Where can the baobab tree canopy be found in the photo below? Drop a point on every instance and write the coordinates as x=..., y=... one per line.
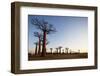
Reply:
x=43, y=25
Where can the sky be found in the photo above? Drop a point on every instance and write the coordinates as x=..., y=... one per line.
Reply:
x=71, y=32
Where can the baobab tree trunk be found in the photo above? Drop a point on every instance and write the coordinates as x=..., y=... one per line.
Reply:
x=36, y=49
x=51, y=50
x=57, y=50
x=39, y=50
x=60, y=51
x=66, y=50
x=44, y=44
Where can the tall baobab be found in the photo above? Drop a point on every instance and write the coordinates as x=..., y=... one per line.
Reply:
x=47, y=42
x=36, y=44
x=51, y=50
x=46, y=28
x=60, y=49
x=39, y=36
x=67, y=50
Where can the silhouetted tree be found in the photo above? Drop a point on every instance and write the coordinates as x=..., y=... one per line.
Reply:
x=67, y=50
x=63, y=51
x=60, y=49
x=70, y=51
x=51, y=50
x=39, y=36
x=36, y=44
x=46, y=28
x=47, y=42
x=57, y=50
x=79, y=51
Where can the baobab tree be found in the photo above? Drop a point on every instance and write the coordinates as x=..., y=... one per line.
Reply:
x=63, y=51
x=78, y=50
x=39, y=36
x=36, y=45
x=47, y=42
x=67, y=50
x=70, y=51
x=51, y=50
x=57, y=50
x=60, y=49
x=46, y=28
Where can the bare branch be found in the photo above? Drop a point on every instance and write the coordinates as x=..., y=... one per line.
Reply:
x=37, y=34
x=36, y=43
x=43, y=25
x=37, y=23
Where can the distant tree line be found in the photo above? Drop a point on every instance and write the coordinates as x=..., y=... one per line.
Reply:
x=61, y=50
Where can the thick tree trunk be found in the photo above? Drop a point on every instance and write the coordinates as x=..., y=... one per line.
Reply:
x=51, y=51
x=36, y=50
x=60, y=51
x=44, y=44
x=57, y=51
x=39, y=50
x=66, y=51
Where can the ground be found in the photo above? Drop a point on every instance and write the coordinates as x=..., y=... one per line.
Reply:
x=50, y=56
